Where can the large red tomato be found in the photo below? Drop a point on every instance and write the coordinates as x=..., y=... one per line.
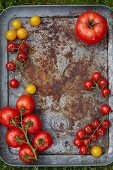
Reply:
x=9, y=114
x=91, y=27
x=25, y=104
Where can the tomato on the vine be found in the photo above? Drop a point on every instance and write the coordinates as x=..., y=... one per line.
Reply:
x=80, y=134
x=105, y=109
x=23, y=47
x=102, y=83
x=100, y=131
x=105, y=92
x=88, y=84
x=86, y=141
x=11, y=47
x=22, y=57
x=94, y=137
x=88, y=129
x=77, y=142
x=10, y=66
x=14, y=83
x=83, y=149
x=15, y=137
x=105, y=124
x=96, y=76
x=95, y=123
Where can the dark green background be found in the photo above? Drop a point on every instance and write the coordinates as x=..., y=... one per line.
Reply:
x=6, y=3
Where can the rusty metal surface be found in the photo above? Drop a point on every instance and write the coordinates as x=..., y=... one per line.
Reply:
x=58, y=65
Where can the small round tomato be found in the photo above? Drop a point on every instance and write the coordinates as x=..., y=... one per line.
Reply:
x=22, y=33
x=95, y=123
x=80, y=134
x=10, y=66
x=11, y=47
x=83, y=149
x=25, y=104
x=88, y=84
x=23, y=47
x=105, y=124
x=22, y=57
x=32, y=123
x=10, y=35
x=31, y=89
x=102, y=83
x=77, y=142
x=86, y=141
x=100, y=131
x=7, y=114
x=26, y=154
x=15, y=137
x=105, y=92
x=105, y=109
x=14, y=83
x=88, y=129
x=94, y=137
x=96, y=76
x=16, y=23
x=35, y=21
x=42, y=141
x=96, y=151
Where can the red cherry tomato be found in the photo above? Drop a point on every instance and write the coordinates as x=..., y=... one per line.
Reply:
x=105, y=109
x=88, y=129
x=80, y=134
x=103, y=83
x=91, y=27
x=25, y=104
x=15, y=137
x=105, y=124
x=100, y=131
x=10, y=66
x=32, y=122
x=88, y=84
x=14, y=83
x=22, y=57
x=42, y=141
x=86, y=141
x=77, y=142
x=94, y=137
x=105, y=92
x=96, y=76
x=23, y=47
x=95, y=123
x=83, y=149
x=7, y=114
x=11, y=47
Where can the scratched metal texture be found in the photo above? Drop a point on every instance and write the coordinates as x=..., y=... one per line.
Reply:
x=58, y=65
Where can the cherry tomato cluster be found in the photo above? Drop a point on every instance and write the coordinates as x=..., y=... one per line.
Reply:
x=21, y=122
x=97, y=81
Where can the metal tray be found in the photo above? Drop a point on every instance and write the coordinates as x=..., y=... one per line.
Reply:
x=63, y=105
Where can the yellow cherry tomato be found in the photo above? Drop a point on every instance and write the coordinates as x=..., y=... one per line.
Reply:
x=31, y=89
x=22, y=33
x=35, y=21
x=16, y=23
x=96, y=151
x=10, y=35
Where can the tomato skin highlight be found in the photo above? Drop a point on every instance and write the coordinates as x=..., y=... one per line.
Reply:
x=14, y=83
x=11, y=66
x=91, y=27
x=105, y=109
x=77, y=142
x=88, y=84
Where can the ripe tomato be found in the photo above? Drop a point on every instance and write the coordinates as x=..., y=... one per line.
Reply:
x=42, y=141
x=22, y=57
x=7, y=114
x=23, y=47
x=26, y=154
x=88, y=129
x=100, y=131
x=83, y=149
x=33, y=122
x=95, y=123
x=10, y=35
x=16, y=23
x=31, y=89
x=22, y=33
x=10, y=66
x=91, y=27
x=25, y=104
x=103, y=83
x=14, y=83
x=105, y=92
x=11, y=47
x=80, y=134
x=35, y=21
x=105, y=124
x=96, y=76
x=77, y=142
x=15, y=137
x=86, y=141
x=88, y=84
x=94, y=137
x=96, y=151
x=105, y=109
